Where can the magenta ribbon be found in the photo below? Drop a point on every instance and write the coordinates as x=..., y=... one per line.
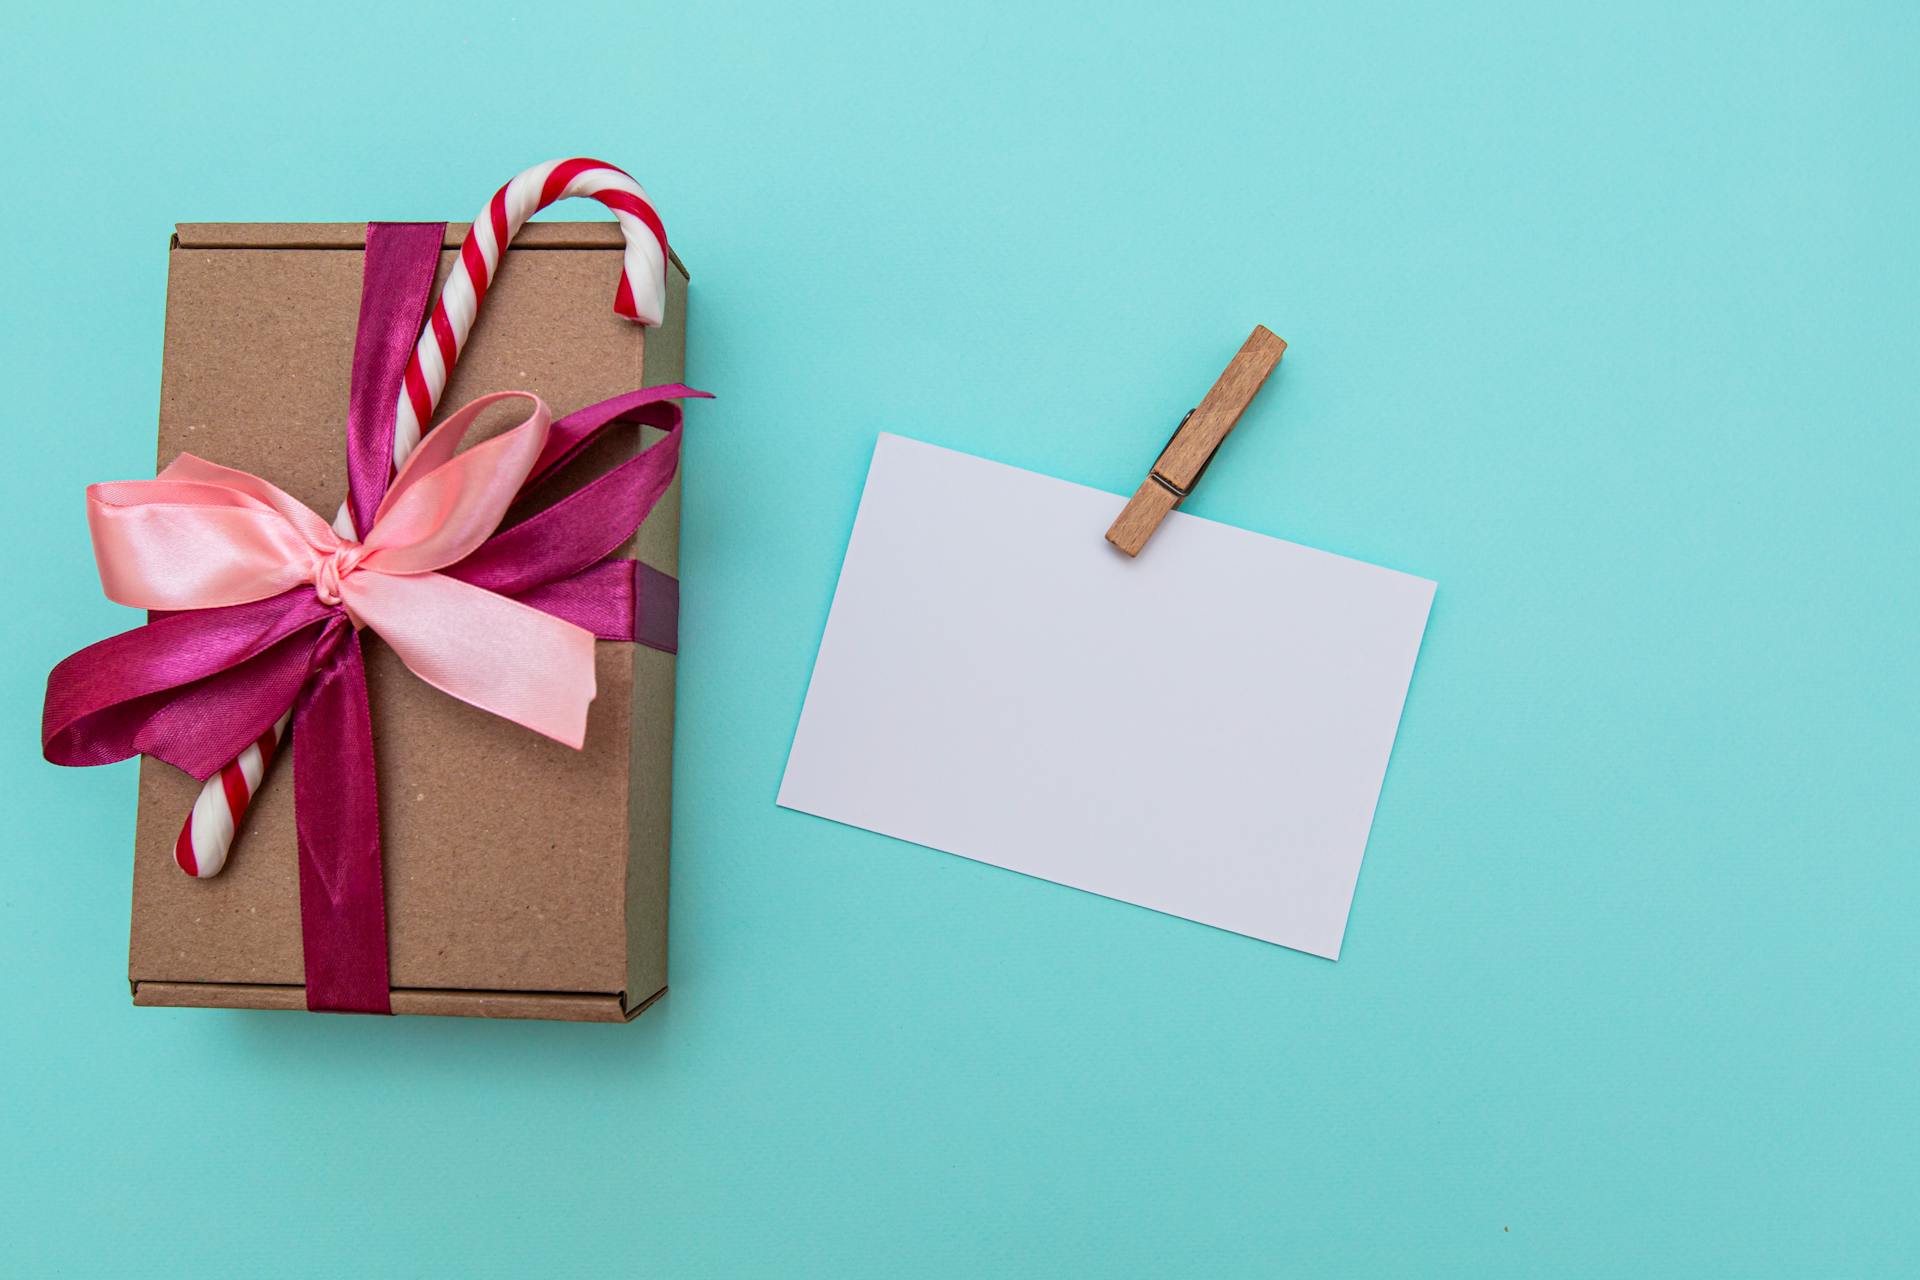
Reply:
x=194, y=688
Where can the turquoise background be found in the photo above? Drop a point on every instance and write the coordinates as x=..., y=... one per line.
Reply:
x=1605, y=319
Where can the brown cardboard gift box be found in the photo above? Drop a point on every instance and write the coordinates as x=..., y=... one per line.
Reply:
x=523, y=879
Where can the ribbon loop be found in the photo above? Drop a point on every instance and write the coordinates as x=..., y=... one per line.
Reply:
x=444, y=503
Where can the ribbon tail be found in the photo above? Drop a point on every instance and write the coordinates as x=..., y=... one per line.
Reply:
x=494, y=653
x=343, y=913
x=192, y=689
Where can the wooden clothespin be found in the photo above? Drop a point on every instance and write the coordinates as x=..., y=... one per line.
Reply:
x=1188, y=453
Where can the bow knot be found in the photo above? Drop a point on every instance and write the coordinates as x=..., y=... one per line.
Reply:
x=330, y=567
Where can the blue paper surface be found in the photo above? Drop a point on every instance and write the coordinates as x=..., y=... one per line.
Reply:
x=1604, y=318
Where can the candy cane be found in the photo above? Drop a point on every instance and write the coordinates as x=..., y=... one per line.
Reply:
x=642, y=294
x=207, y=834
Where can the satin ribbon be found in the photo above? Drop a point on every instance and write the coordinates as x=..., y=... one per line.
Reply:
x=203, y=536
x=265, y=606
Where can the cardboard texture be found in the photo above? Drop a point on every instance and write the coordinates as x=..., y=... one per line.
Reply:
x=523, y=879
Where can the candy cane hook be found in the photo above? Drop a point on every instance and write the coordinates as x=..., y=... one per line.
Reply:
x=642, y=294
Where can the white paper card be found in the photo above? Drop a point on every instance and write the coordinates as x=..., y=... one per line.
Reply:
x=1202, y=730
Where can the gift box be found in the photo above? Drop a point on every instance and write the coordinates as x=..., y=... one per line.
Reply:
x=522, y=878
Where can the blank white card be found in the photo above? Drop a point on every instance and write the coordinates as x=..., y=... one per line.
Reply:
x=1202, y=730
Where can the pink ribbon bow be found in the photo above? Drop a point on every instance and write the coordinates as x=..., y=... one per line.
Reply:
x=202, y=536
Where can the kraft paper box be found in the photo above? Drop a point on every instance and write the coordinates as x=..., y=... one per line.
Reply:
x=523, y=879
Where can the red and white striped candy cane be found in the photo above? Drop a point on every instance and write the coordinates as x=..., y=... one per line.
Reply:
x=207, y=834
x=642, y=294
